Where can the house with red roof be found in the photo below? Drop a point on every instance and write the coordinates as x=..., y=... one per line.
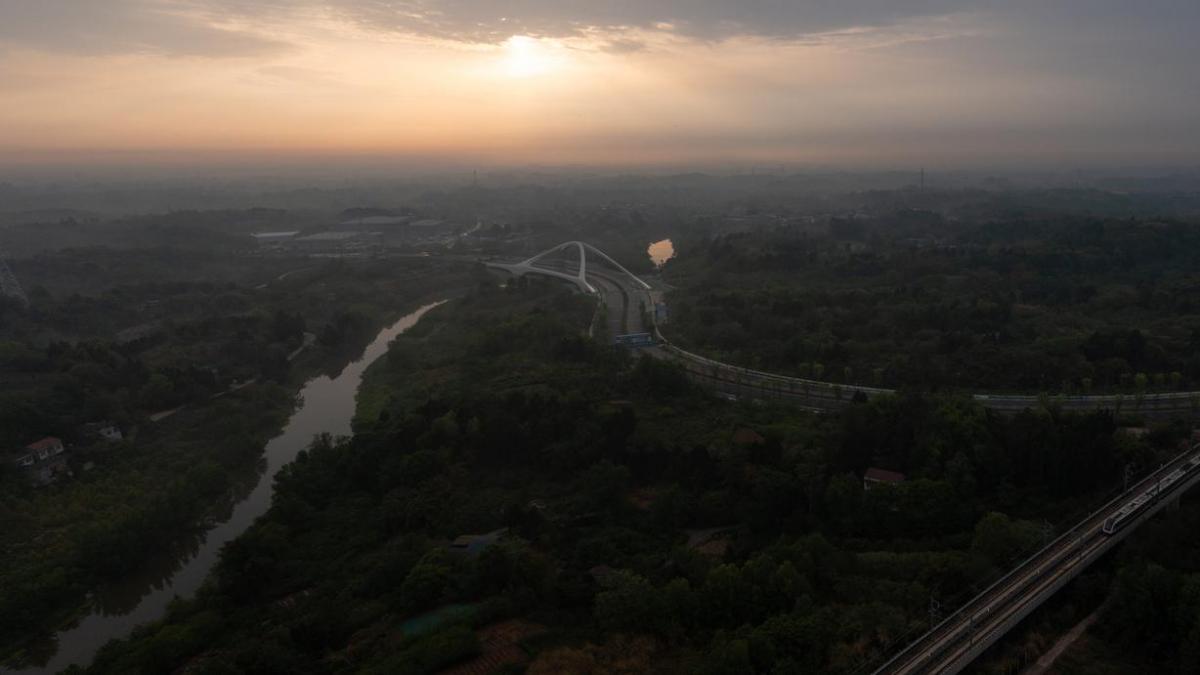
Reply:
x=876, y=476
x=43, y=460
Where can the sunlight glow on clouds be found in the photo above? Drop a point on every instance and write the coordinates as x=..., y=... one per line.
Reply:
x=529, y=57
x=625, y=82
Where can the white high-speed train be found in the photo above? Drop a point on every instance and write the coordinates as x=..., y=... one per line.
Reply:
x=1144, y=500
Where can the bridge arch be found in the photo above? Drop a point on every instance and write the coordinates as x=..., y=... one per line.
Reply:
x=579, y=279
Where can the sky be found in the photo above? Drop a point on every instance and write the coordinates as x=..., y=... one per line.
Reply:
x=853, y=83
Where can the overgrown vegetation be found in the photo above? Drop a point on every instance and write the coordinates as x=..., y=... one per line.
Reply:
x=1151, y=623
x=642, y=522
x=1033, y=303
x=229, y=357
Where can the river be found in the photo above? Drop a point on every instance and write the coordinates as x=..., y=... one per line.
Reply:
x=327, y=406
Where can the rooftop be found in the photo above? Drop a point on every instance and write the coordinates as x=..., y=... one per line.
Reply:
x=883, y=476
x=473, y=544
x=44, y=444
x=747, y=436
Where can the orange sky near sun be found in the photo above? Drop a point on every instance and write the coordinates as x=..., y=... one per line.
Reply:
x=870, y=95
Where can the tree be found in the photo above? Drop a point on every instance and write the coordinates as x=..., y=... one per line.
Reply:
x=158, y=392
x=726, y=598
x=425, y=584
x=961, y=474
x=728, y=657
x=286, y=327
x=605, y=485
x=842, y=498
x=999, y=539
x=629, y=604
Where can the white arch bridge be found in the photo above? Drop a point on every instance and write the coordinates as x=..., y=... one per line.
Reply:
x=952, y=645
x=579, y=277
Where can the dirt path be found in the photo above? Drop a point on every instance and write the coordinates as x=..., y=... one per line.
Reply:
x=1047, y=660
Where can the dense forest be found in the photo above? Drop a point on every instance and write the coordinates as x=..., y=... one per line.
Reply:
x=1023, y=302
x=197, y=395
x=516, y=493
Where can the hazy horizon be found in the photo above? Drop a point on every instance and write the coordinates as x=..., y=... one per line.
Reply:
x=569, y=83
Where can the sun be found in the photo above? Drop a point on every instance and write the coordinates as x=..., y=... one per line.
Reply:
x=529, y=57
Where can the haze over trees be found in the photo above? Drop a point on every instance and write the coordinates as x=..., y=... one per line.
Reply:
x=602, y=470
x=1036, y=303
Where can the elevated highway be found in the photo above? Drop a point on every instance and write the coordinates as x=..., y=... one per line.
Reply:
x=623, y=304
x=817, y=395
x=951, y=645
x=830, y=396
x=579, y=276
x=622, y=293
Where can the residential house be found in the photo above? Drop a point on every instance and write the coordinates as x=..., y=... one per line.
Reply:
x=746, y=436
x=875, y=477
x=43, y=460
x=474, y=544
x=102, y=431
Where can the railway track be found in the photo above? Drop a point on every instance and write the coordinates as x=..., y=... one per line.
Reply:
x=966, y=633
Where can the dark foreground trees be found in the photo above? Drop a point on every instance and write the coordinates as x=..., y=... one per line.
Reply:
x=632, y=516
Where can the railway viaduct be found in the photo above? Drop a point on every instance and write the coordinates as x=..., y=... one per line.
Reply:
x=951, y=645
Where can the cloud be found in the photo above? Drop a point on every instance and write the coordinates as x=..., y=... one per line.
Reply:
x=623, y=46
x=94, y=27
x=491, y=21
x=882, y=79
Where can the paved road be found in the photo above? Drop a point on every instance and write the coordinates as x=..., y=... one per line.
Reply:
x=622, y=299
x=624, y=304
x=953, y=644
x=614, y=304
x=828, y=396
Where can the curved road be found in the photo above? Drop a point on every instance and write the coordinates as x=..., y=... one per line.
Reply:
x=954, y=643
x=822, y=396
x=829, y=396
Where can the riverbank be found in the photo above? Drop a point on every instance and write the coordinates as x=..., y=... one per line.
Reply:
x=146, y=504
x=148, y=495
x=325, y=406
x=518, y=473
